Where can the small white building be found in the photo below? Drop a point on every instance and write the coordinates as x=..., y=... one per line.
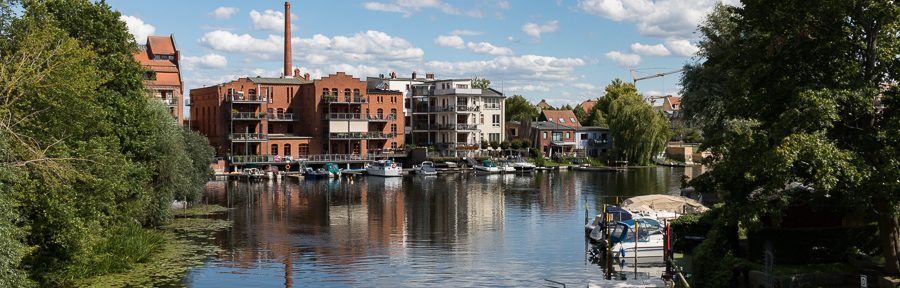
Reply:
x=593, y=141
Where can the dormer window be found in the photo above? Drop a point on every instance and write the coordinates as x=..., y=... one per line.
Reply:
x=572, y=119
x=562, y=120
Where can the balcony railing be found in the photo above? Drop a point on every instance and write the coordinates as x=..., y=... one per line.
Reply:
x=463, y=108
x=246, y=98
x=360, y=117
x=170, y=102
x=242, y=159
x=491, y=106
x=360, y=135
x=281, y=117
x=246, y=116
x=457, y=145
x=371, y=156
x=343, y=99
x=597, y=142
x=247, y=137
x=442, y=127
x=466, y=127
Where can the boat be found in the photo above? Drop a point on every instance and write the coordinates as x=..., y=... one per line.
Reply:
x=487, y=166
x=384, y=168
x=520, y=165
x=507, y=168
x=596, y=169
x=333, y=170
x=618, y=214
x=310, y=173
x=426, y=168
x=662, y=207
x=640, y=239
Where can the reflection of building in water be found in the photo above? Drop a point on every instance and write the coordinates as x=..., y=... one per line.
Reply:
x=556, y=194
x=464, y=205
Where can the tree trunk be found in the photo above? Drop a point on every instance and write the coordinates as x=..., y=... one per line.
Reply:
x=889, y=231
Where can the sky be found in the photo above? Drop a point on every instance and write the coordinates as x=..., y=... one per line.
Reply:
x=564, y=51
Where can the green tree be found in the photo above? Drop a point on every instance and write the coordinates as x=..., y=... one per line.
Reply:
x=481, y=83
x=784, y=94
x=614, y=90
x=581, y=115
x=596, y=118
x=519, y=109
x=638, y=131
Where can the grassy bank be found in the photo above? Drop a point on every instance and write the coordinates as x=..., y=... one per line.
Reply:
x=143, y=257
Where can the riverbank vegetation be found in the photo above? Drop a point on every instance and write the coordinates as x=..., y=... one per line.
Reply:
x=800, y=108
x=89, y=162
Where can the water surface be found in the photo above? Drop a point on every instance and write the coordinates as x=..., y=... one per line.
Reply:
x=453, y=229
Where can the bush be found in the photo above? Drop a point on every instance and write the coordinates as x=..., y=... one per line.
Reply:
x=515, y=144
x=484, y=144
x=504, y=145
x=813, y=245
x=495, y=144
x=526, y=143
x=713, y=261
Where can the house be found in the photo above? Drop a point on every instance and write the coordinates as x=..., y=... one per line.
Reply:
x=543, y=105
x=161, y=60
x=561, y=117
x=588, y=105
x=592, y=141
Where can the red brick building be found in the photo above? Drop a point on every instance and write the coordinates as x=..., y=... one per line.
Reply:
x=163, y=77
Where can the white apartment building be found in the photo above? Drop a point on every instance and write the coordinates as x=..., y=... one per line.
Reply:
x=404, y=85
x=455, y=117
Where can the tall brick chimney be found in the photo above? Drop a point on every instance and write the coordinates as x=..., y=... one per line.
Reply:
x=287, y=40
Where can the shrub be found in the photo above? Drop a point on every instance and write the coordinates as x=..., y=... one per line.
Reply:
x=504, y=145
x=495, y=144
x=713, y=262
x=515, y=144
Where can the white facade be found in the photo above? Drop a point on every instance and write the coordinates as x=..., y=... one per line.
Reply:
x=453, y=116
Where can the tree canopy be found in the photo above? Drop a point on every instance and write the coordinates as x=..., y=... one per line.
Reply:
x=481, y=83
x=639, y=132
x=519, y=109
x=786, y=94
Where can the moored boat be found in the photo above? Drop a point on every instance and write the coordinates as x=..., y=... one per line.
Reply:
x=520, y=165
x=487, y=166
x=384, y=168
x=640, y=239
x=426, y=168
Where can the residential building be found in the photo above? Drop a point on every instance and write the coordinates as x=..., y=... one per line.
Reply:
x=593, y=141
x=561, y=117
x=552, y=139
x=404, y=86
x=455, y=117
x=543, y=105
x=162, y=77
x=588, y=105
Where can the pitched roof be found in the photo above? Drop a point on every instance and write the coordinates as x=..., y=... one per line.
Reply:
x=543, y=104
x=161, y=44
x=546, y=125
x=562, y=117
x=587, y=105
x=165, y=79
x=675, y=101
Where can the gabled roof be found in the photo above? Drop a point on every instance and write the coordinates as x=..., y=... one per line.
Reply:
x=161, y=45
x=562, y=117
x=546, y=125
x=674, y=102
x=543, y=104
x=587, y=105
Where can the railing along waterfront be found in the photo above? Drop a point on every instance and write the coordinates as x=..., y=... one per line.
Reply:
x=247, y=137
x=349, y=157
x=360, y=135
x=243, y=159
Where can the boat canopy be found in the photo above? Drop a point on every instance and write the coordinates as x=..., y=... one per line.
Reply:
x=488, y=163
x=671, y=203
x=624, y=231
x=618, y=213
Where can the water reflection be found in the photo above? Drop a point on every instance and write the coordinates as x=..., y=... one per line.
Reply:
x=457, y=229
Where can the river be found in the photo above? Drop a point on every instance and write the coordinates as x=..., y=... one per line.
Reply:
x=450, y=230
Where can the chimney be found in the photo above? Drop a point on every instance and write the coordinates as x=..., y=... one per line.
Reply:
x=305, y=76
x=287, y=39
x=414, y=75
x=381, y=76
x=393, y=75
x=429, y=76
x=297, y=72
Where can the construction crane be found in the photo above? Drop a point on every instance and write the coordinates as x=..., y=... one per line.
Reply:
x=634, y=77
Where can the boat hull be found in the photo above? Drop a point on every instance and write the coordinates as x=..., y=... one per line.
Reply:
x=386, y=172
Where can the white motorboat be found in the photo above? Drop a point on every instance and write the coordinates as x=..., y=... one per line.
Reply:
x=384, y=168
x=507, y=168
x=426, y=168
x=521, y=165
x=487, y=166
x=640, y=239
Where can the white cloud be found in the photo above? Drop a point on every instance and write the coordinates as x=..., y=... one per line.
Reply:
x=138, y=28
x=503, y=4
x=465, y=33
x=624, y=59
x=268, y=20
x=226, y=41
x=540, y=87
x=450, y=41
x=223, y=12
x=650, y=50
x=659, y=18
x=487, y=48
x=535, y=30
x=209, y=61
x=682, y=47
x=522, y=67
x=408, y=7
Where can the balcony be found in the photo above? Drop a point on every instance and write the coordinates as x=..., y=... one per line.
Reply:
x=360, y=117
x=170, y=102
x=464, y=108
x=250, y=159
x=442, y=127
x=383, y=117
x=453, y=91
x=247, y=137
x=360, y=135
x=239, y=98
x=561, y=143
x=491, y=106
x=466, y=127
x=344, y=99
x=252, y=116
x=467, y=146
x=597, y=142
x=281, y=117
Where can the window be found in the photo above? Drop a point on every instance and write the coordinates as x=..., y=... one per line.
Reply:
x=494, y=136
x=545, y=135
x=380, y=112
x=394, y=144
x=557, y=137
x=567, y=135
x=356, y=92
x=407, y=89
x=482, y=118
x=287, y=150
x=462, y=86
x=394, y=113
x=514, y=132
x=562, y=121
x=303, y=149
x=347, y=92
x=572, y=119
x=496, y=121
x=334, y=92
x=584, y=137
x=274, y=149
x=324, y=91
x=393, y=128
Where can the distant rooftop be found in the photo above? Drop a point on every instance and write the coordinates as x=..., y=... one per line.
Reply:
x=282, y=81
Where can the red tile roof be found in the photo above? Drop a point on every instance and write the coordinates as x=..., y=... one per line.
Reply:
x=566, y=115
x=161, y=44
x=587, y=105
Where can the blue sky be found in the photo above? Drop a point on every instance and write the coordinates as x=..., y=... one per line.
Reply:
x=564, y=51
